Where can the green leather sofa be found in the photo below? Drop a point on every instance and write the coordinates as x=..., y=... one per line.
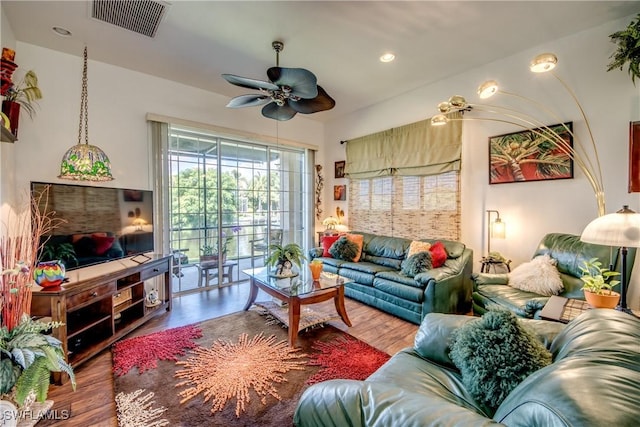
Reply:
x=376, y=279
x=491, y=290
x=594, y=380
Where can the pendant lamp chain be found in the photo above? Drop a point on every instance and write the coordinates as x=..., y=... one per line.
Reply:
x=85, y=162
x=84, y=105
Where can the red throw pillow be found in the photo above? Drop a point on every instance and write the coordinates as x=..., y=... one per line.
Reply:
x=103, y=243
x=327, y=241
x=438, y=254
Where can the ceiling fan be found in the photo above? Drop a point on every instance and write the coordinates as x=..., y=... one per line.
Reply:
x=289, y=91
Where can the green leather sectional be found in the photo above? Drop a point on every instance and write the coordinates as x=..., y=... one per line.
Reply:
x=491, y=290
x=594, y=380
x=377, y=280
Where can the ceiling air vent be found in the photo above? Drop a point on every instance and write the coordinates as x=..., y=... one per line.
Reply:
x=142, y=16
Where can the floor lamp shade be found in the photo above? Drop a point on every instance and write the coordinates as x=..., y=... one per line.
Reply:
x=620, y=229
x=495, y=228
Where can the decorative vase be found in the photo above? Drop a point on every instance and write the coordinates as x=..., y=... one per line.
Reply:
x=49, y=274
x=602, y=301
x=316, y=270
x=12, y=110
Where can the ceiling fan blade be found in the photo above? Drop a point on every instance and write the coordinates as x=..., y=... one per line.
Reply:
x=321, y=102
x=248, y=101
x=303, y=83
x=249, y=83
x=281, y=113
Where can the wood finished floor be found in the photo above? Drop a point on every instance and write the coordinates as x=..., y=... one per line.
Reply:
x=92, y=404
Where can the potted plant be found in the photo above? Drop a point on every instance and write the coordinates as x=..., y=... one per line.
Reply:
x=209, y=252
x=25, y=94
x=283, y=258
x=628, y=42
x=27, y=358
x=598, y=284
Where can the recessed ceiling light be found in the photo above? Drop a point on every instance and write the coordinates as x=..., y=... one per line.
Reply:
x=61, y=31
x=387, y=57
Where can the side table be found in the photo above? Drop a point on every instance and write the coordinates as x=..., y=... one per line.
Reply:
x=561, y=309
x=204, y=269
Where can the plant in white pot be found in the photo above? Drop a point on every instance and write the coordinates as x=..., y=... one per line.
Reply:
x=598, y=284
x=284, y=257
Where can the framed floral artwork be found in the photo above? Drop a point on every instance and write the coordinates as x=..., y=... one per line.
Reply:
x=531, y=155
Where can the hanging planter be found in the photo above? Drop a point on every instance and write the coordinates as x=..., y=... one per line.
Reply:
x=628, y=51
x=12, y=110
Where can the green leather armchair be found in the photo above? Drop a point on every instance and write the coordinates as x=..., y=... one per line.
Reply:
x=594, y=380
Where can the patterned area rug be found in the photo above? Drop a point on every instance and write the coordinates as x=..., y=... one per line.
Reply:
x=240, y=372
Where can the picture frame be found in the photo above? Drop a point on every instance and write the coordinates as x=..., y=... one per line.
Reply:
x=339, y=169
x=634, y=157
x=339, y=192
x=527, y=155
x=132, y=195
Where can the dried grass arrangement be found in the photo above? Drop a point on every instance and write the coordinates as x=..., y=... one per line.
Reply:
x=20, y=242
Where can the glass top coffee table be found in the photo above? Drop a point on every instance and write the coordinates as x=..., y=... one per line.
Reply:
x=297, y=291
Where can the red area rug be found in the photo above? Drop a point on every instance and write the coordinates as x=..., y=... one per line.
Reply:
x=345, y=357
x=145, y=351
x=240, y=373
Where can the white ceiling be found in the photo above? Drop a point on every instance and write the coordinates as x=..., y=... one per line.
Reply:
x=339, y=41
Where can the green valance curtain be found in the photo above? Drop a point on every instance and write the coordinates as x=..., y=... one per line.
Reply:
x=417, y=149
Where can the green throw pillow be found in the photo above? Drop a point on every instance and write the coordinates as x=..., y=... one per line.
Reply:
x=416, y=264
x=494, y=354
x=344, y=249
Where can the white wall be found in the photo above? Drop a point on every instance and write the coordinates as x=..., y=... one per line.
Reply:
x=532, y=209
x=7, y=183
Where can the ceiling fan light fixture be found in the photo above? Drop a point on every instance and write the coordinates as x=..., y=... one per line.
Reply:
x=289, y=91
x=543, y=63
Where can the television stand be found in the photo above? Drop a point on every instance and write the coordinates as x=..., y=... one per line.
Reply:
x=102, y=303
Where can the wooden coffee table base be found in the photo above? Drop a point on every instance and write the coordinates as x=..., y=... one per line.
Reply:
x=294, y=303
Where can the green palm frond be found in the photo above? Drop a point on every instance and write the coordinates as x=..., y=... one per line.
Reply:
x=628, y=49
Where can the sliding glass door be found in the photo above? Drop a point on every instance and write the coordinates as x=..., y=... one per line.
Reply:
x=226, y=198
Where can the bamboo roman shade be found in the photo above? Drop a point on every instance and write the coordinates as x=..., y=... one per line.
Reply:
x=417, y=149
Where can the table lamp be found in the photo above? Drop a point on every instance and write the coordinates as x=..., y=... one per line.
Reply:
x=621, y=229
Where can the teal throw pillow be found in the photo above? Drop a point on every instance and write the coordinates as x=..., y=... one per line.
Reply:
x=416, y=264
x=494, y=354
x=344, y=249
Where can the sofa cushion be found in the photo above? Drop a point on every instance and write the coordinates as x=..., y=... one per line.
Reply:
x=391, y=263
x=358, y=239
x=522, y=303
x=539, y=276
x=102, y=243
x=332, y=261
x=416, y=264
x=496, y=353
x=344, y=249
x=409, y=293
x=387, y=247
x=327, y=241
x=418, y=246
x=365, y=267
x=438, y=254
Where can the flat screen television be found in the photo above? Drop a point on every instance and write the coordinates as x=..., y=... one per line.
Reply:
x=99, y=224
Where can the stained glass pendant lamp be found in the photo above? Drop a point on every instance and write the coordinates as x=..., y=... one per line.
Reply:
x=85, y=162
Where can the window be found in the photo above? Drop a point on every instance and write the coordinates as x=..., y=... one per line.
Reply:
x=224, y=193
x=407, y=206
